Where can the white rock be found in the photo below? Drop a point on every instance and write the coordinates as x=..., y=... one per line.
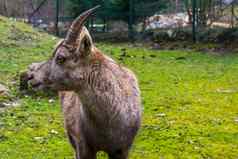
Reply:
x=236, y=120
x=3, y=90
x=51, y=100
x=39, y=139
x=161, y=115
x=54, y=132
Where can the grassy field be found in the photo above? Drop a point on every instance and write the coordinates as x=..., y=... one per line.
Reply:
x=190, y=102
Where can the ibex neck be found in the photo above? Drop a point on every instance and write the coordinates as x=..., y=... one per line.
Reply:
x=101, y=91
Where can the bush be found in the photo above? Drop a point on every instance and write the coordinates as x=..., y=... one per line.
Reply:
x=182, y=35
x=161, y=36
x=209, y=35
x=173, y=35
x=228, y=36
x=217, y=35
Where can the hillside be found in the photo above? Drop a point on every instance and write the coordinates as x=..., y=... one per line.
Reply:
x=20, y=46
x=189, y=100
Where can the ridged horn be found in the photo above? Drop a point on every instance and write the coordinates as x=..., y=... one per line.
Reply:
x=77, y=26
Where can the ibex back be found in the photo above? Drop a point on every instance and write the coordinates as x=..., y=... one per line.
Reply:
x=100, y=99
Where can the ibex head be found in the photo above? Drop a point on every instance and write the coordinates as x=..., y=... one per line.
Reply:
x=71, y=55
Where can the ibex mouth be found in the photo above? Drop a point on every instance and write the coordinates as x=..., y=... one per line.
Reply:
x=36, y=85
x=27, y=81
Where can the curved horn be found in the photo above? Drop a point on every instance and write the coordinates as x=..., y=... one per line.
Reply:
x=77, y=25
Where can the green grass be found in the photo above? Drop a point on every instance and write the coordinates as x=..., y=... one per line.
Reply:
x=190, y=102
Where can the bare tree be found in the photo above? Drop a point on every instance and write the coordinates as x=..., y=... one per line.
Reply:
x=3, y=7
x=13, y=8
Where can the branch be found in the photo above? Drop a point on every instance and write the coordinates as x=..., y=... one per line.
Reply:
x=37, y=9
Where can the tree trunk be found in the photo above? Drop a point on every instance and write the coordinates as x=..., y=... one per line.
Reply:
x=176, y=6
x=5, y=10
x=232, y=14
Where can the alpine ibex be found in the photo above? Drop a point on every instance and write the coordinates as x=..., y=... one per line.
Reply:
x=100, y=99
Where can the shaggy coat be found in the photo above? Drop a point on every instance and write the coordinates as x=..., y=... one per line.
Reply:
x=100, y=99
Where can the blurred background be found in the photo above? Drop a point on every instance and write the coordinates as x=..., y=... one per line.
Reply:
x=120, y=20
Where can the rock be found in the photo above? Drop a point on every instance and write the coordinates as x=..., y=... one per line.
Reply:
x=160, y=115
x=156, y=46
x=4, y=91
x=51, y=100
x=39, y=139
x=54, y=132
x=6, y=105
x=236, y=120
x=167, y=21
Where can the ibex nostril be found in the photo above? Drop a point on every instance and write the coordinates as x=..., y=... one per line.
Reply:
x=30, y=77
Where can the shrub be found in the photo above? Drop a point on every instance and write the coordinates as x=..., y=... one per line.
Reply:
x=217, y=35
x=182, y=35
x=228, y=35
x=161, y=36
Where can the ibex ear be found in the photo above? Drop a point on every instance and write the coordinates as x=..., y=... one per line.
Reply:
x=85, y=44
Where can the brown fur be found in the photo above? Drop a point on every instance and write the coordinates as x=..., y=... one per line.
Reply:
x=100, y=99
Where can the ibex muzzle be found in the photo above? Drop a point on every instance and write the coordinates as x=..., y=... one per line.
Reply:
x=100, y=99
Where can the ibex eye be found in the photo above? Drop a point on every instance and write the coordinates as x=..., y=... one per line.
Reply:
x=60, y=60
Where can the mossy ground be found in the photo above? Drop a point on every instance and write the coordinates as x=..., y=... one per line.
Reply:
x=190, y=101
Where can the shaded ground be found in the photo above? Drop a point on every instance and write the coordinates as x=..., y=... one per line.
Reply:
x=190, y=101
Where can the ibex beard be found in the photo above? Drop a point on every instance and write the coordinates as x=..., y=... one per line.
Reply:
x=100, y=99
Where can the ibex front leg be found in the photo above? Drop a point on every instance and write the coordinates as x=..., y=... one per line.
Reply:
x=83, y=151
x=119, y=154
